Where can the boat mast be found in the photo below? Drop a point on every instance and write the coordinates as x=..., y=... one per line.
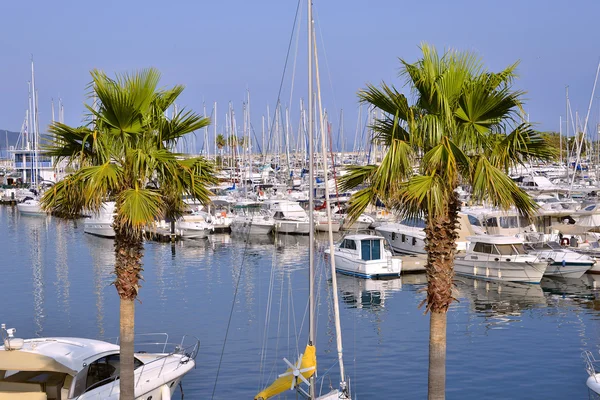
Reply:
x=311, y=200
x=334, y=289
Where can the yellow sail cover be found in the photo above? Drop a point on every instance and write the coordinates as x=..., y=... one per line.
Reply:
x=309, y=359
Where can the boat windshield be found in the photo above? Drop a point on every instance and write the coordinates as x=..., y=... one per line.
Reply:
x=511, y=249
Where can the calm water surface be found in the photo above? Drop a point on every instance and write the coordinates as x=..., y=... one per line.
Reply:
x=504, y=341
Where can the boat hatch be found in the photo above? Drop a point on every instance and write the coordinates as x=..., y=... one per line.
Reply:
x=508, y=249
x=370, y=249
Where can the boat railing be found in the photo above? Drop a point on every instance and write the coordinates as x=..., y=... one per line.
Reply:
x=169, y=353
x=592, y=366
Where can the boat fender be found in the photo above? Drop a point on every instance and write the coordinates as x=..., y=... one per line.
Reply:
x=165, y=392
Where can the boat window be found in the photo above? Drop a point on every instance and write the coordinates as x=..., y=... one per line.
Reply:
x=491, y=222
x=554, y=246
x=508, y=222
x=414, y=241
x=414, y=222
x=393, y=235
x=403, y=238
x=102, y=370
x=99, y=373
x=473, y=220
x=511, y=249
x=370, y=249
x=484, y=248
x=590, y=208
x=348, y=244
x=519, y=248
x=278, y=215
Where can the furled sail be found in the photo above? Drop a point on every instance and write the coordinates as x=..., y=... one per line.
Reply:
x=301, y=371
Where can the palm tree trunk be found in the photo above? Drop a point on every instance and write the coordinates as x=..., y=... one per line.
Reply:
x=437, y=356
x=128, y=269
x=441, y=247
x=126, y=341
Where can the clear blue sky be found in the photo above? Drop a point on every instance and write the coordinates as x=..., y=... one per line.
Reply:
x=219, y=48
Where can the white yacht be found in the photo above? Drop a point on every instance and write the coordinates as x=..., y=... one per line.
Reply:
x=250, y=219
x=289, y=217
x=365, y=256
x=193, y=226
x=74, y=368
x=563, y=262
x=322, y=222
x=31, y=207
x=406, y=237
x=499, y=257
x=100, y=223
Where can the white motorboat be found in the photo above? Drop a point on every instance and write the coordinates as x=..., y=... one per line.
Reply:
x=75, y=368
x=31, y=207
x=322, y=222
x=406, y=237
x=193, y=226
x=100, y=223
x=563, y=262
x=289, y=217
x=365, y=256
x=250, y=219
x=499, y=257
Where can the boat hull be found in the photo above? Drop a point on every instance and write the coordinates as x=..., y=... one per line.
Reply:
x=514, y=271
x=292, y=227
x=569, y=270
x=323, y=226
x=251, y=228
x=102, y=229
x=346, y=265
x=32, y=209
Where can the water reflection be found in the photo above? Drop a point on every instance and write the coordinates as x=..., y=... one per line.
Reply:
x=580, y=288
x=102, y=251
x=366, y=293
x=499, y=303
x=62, y=268
x=36, y=229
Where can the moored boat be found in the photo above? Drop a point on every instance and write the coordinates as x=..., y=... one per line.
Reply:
x=76, y=368
x=365, y=256
x=499, y=257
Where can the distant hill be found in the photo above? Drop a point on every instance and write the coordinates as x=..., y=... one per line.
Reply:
x=7, y=137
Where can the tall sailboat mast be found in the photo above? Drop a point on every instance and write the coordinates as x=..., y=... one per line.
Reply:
x=311, y=206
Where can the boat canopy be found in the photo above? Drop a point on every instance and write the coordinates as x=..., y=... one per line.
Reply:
x=308, y=366
x=17, y=360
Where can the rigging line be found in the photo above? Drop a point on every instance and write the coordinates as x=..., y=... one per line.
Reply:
x=263, y=355
x=237, y=285
x=287, y=56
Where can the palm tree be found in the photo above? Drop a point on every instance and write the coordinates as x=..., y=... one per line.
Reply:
x=221, y=142
x=124, y=153
x=464, y=127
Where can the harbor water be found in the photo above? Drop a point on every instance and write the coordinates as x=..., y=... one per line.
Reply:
x=505, y=341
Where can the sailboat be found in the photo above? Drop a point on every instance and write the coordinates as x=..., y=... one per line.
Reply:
x=305, y=368
x=31, y=206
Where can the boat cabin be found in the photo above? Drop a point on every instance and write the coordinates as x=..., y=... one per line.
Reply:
x=496, y=245
x=365, y=247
